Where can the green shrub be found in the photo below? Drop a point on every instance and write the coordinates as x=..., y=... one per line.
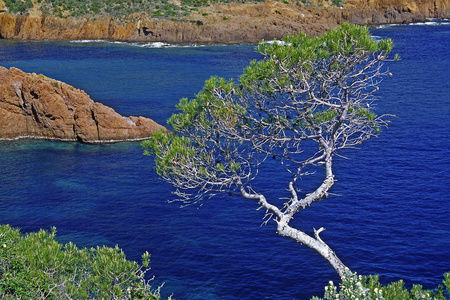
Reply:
x=337, y=3
x=195, y=3
x=356, y=287
x=18, y=6
x=35, y=266
x=115, y=8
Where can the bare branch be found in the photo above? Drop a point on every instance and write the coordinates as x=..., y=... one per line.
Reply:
x=299, y=107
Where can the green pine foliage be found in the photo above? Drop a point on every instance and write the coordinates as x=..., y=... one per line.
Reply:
x=174, y=151
x=36, y=266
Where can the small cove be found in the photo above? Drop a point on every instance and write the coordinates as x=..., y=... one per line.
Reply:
x=391, y=217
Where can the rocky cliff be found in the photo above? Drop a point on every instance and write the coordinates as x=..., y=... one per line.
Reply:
x=226, y=23
x=34, y=106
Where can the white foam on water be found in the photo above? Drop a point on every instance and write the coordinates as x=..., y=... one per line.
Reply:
x=376, y=37
x=388, y=25
x=89, y=41
x=277, y=42
x=138, y=44
x=430, y=22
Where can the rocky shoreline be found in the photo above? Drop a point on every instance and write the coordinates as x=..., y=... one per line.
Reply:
x=36, y=107
x=225, y=23
x=33, y=106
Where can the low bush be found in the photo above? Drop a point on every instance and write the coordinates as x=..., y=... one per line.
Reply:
x=357, y=287
x=120, y=9
x=18, y=6
x=36, y=266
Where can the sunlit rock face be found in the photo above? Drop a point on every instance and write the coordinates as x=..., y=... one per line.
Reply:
x=35, y=106
x=230, y=23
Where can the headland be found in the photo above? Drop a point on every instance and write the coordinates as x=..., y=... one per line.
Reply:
x=33, y=106
x=221, y=23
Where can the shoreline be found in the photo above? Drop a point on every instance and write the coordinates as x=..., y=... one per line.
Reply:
x=157, y=45
x=224, y=24
x=92, y=142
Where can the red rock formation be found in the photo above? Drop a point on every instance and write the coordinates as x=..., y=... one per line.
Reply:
x=236, y=23
x=34, y=106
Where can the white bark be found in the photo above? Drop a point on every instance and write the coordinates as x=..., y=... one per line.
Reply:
x=283, y=218
x=322, y=105
x=315, y=243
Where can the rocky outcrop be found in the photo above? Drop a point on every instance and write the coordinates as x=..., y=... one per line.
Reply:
x=3, y=7
x=235, y=29
x=34, y=106
x=225, y=24
x=376, y=12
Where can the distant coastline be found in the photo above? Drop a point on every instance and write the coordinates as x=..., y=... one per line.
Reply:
x=230, y=23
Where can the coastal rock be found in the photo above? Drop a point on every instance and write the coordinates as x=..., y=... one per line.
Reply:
x=35, y=106
x=230, y=23
x=3, y=7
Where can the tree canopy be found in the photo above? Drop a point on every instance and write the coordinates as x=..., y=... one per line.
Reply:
x=305, y=101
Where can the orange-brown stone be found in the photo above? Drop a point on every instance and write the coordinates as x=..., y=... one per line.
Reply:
x=34, y=106
x=230, y=23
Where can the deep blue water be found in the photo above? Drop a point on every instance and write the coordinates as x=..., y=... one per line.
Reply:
x=390, y=214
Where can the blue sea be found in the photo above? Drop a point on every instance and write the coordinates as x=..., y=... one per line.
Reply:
x=389, y=212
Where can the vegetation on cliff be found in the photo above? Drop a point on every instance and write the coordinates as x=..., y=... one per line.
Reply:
x=18, y=6
x=114, y=8
x=174, y=9
x=200, y=21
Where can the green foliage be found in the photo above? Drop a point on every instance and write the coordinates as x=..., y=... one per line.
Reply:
x=199, y=110
x=447, y=281
x=18, y=6
x=325, y=116
x=115, y=8
x=307, y=99
x=173, y=151
x=300, y=49
x=304, y=51
x=369, y=288
x=195, y=3
x=35, y=266
x=337, y=3
x=179, y=151
x=259, y=74
x=299, y=61
x=304, y=87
